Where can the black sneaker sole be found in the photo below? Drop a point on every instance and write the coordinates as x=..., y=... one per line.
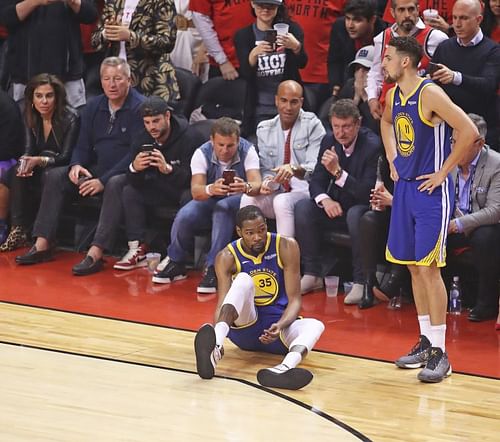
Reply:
x=293, y=379
x=206, y=289
x=160, y=280
x=204, y=344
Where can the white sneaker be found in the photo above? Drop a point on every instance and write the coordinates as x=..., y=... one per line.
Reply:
x=134, y=258
x=309, y=283
x=355, y=295
x=207, y=352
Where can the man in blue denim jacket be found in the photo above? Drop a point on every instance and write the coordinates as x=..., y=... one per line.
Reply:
x=216, y=199
x=286, y=174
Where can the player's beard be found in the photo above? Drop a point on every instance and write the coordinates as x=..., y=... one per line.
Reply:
x=391, y=79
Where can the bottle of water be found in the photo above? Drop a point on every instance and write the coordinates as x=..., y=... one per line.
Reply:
x=455, y=301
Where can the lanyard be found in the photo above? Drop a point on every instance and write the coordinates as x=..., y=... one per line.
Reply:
x=457, y=188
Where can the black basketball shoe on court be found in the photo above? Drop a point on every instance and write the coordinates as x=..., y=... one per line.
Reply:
x=418, y=356
x=283, y=377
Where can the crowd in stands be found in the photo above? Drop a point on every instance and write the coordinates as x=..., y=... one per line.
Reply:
x=90, y=108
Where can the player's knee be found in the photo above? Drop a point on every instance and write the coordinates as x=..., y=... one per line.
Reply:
x=318, y=326
x=244, y=281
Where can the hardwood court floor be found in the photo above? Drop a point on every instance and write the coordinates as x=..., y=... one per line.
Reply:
x=122, y=393
x=108, y=379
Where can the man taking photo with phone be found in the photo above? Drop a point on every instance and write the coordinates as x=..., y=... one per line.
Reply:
x=158, y=175
x=214, y=203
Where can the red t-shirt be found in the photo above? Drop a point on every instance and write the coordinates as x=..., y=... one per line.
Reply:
x=228, y=17
x=316, y=19
x=445, y=8
x=3, y=32
x=495, y=34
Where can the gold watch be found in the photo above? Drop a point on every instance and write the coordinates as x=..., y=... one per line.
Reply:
x=338, y=173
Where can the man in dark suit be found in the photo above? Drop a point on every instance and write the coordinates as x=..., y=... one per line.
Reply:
x=475, y=223
x=340, y=191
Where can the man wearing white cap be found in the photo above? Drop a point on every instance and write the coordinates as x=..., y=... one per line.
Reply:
x=355, y=87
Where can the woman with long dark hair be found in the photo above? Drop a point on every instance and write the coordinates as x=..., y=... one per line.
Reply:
x=51, y=130
x=264, y=63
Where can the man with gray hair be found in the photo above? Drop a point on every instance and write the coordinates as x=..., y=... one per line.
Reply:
x=99, y=161
x=475, y=222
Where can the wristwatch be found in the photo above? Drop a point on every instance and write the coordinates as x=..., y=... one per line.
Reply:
x=294, y=168
x=338, y=173
x=248, y=188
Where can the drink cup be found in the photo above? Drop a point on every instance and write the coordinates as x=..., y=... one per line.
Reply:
x=21, y=165
x=332, y=285
x=281, y=28
x=153, y=259
x=430, y=14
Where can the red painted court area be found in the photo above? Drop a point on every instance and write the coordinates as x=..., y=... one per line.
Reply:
x=377, y=333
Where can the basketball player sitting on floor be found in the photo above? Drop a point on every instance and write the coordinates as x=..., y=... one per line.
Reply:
x=259, y=303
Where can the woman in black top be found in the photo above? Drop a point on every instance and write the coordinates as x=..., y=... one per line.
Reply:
x=265, y=65
x=51, y=131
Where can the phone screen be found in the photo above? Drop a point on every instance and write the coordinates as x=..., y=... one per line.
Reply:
x=228, y=176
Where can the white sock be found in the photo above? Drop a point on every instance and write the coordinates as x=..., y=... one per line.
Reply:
x=425, y=326
x=438, y=333
x=292, y=359
x=221, y=331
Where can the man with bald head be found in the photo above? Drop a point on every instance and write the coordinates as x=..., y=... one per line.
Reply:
x=288, y=149
x=469, y=67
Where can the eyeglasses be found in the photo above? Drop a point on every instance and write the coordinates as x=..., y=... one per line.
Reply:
x=111, y=123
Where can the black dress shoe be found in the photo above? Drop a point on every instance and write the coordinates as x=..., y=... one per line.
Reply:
x=389, y=288
x=478, y=315
x=34, y=256
x=88, y=266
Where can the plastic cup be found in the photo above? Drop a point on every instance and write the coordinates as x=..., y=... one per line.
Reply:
x=332, y=285
x=429, y=14
x=281, y=28
x=153, y=259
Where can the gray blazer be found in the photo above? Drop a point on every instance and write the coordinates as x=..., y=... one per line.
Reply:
x=485, y=192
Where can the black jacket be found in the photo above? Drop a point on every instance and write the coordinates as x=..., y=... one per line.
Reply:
x=48, y=40
x=361, y=167
x=65, y=134
x=342, y=50
x=11, y=128
x=178, y=150
x=244, y=40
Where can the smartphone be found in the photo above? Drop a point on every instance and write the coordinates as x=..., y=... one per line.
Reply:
x=228, y=176
x=432, y=67
x=270, y=37
x=82, y=179
x=147, y=148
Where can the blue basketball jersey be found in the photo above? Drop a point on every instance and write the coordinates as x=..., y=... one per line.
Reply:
x=266, y=271
x=422, y=146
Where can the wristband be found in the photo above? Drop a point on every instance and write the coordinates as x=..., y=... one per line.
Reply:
x=208, y=190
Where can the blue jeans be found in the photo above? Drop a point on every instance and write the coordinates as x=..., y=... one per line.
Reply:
x=196, y=216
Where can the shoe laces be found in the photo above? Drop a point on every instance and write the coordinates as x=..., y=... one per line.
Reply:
x=418, y=347
x=217, y=353
x=132, y=253
x=163, y=264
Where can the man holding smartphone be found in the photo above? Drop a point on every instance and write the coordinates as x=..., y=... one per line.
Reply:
x=214, y=204
x=158, y=175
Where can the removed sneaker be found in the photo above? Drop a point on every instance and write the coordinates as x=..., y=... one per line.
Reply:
x=355, y=295
x=208, y=284
x=310, y=283
x=134, y=258
x=169, y=271
x=206, y=351
x=283, y=377
x=438, y=367
x=418, y=356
